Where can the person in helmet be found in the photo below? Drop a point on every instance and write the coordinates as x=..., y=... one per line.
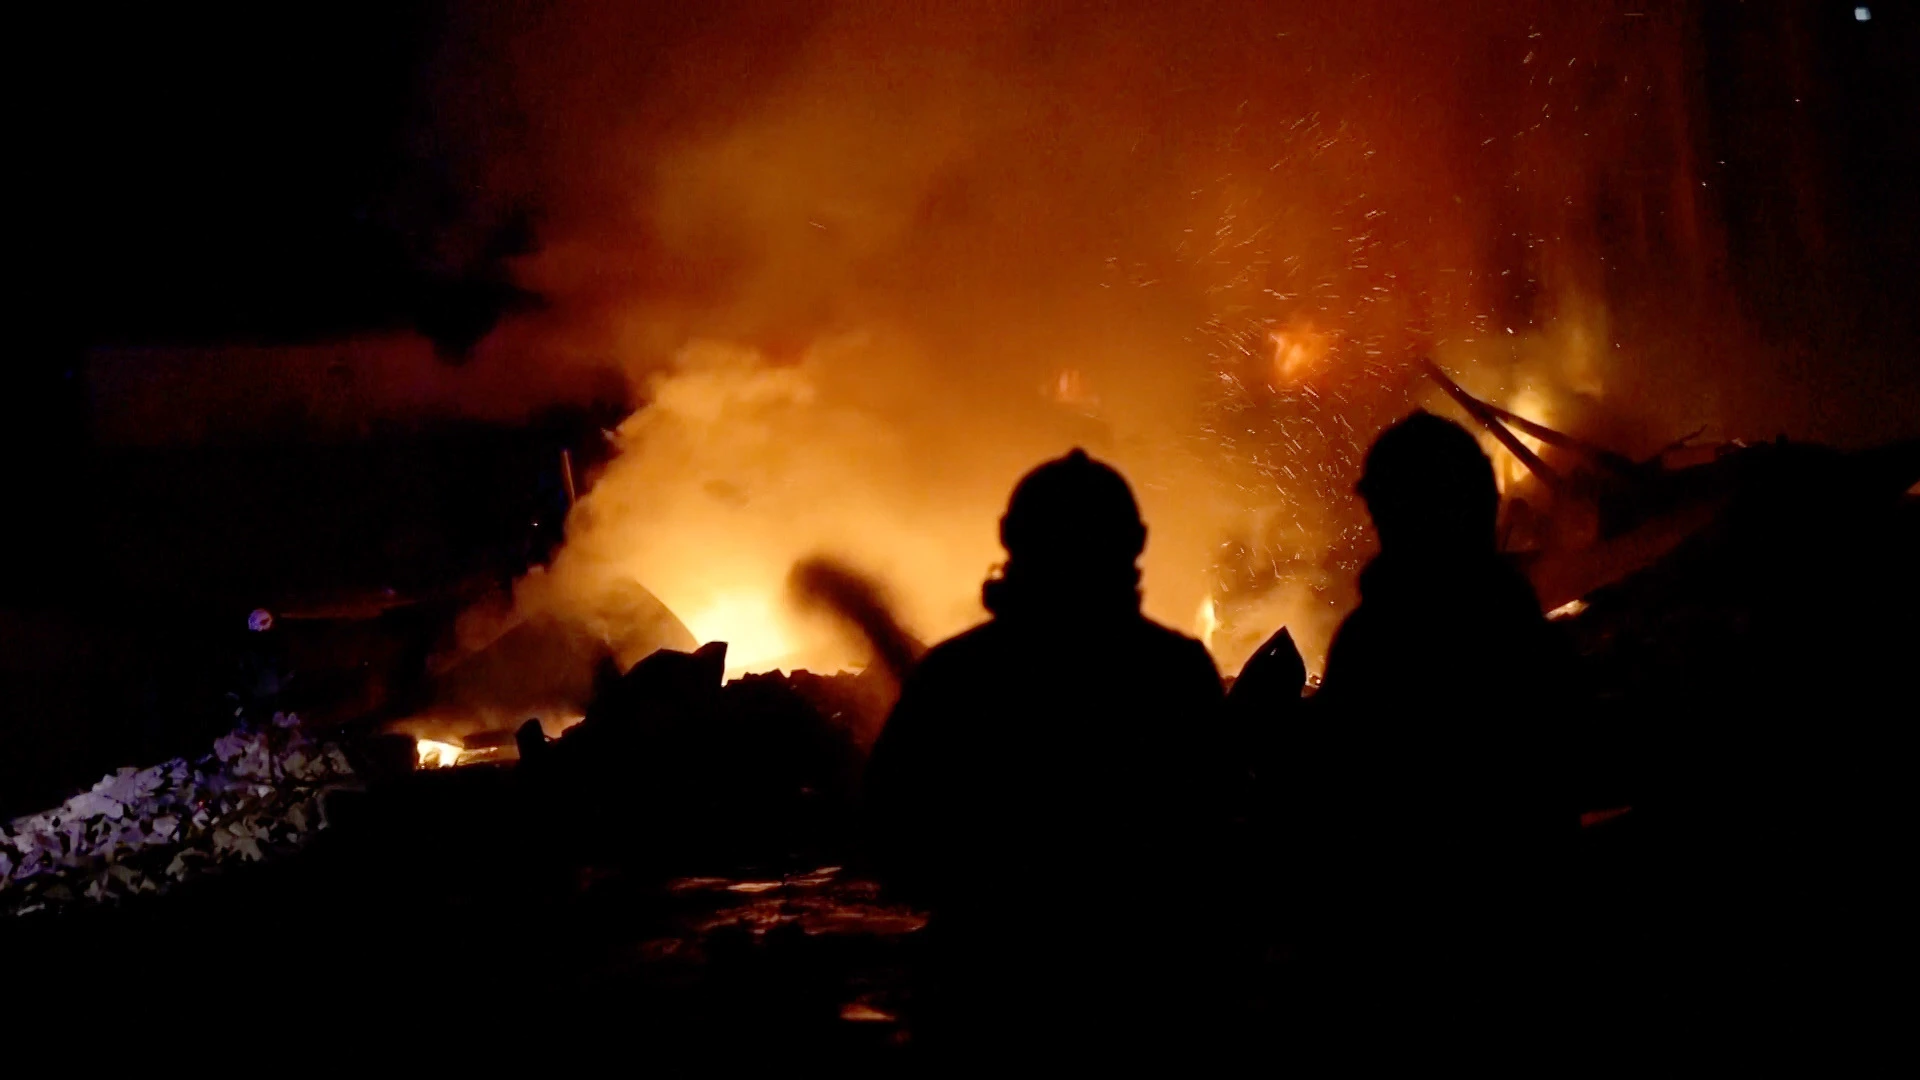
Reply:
x=1049, y=779
x=1449, y=637
x=1430, y=782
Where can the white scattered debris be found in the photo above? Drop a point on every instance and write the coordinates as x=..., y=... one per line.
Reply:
x=139, y=831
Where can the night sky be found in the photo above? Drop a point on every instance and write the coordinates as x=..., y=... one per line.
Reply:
x=233, y=170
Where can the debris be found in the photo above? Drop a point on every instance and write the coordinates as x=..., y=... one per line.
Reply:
x=670, y=679
x=141, y=830
x=669, y=758
x=530, y=740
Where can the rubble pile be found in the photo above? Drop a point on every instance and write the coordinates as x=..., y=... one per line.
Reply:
x=670, y=758
x=143, y=830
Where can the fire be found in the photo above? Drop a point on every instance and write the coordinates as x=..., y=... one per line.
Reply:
x=753, y=624
x=434, y=754
x=1508, y=471
x=1298, y=352
x=896, y=288
x=1206, y=622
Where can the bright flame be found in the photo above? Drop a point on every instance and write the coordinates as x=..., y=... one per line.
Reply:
x=848, y=296
x=1509, y=473
x=1206, y=622
x=435, y=754
x=1298, y=352
x=754, y=626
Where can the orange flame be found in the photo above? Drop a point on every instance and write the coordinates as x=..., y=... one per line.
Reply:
x=434, y=754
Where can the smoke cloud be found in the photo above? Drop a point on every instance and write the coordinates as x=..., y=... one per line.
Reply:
x=863, y=264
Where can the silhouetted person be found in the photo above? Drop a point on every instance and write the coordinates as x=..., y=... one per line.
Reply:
x=1428, y=777
x=1050, y=782
x=262, y=675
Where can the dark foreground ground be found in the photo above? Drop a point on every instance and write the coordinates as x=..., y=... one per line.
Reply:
x=434, y=915
x=439, y=920
x=1751, y=701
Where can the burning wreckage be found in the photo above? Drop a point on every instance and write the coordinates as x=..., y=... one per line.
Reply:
x=1679, y=577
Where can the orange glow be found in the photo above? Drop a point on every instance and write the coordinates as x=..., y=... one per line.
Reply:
x=1508, y=472
x=1070, y=388
x=1568, y=610
x=434, y=754
x=754, y=626
x=1206, y=622
x=856, y=303
x=1298, y=353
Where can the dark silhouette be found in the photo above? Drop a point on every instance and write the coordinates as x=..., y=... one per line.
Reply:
x=261, y=674
x=1050, y=783
x=861, y=605
x=1428, y=788
x=1265, y=698
x=1441, y=610
x=1264, y=707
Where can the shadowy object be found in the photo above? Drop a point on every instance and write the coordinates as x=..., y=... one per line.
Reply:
x=664, y=680
x=671, y=766
x=1429, y=800
x=531, y=742
x=1268, y=687
x=544, y=662
x=1033, y=761
x=457, y=307
x=1263, y=706
x=859, y=602
x=1755, y=681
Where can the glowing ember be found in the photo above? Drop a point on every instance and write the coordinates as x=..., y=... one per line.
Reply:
x=1568, y=610
x=1298, y=352
x=435, y=754
x=862, y=1013
x=1600, y=817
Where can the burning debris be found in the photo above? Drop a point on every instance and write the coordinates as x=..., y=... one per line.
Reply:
x=258, y=795
x=435, y=754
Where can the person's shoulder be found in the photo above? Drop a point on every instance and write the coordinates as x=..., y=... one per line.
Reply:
x=1160, y=638
x=962, y=649
x=1165, y=636
x=1352, y=646
x=1515, y=585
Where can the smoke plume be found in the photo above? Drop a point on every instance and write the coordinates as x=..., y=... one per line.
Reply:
x=863, y=264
